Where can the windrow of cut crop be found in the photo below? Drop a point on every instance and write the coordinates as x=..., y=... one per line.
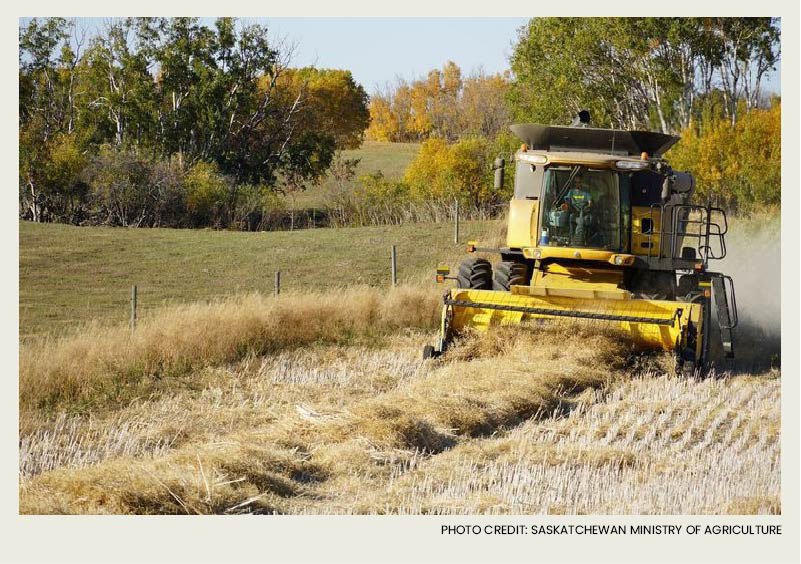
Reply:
x=104, y=367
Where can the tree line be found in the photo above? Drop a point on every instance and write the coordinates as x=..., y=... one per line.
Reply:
x=634, y=73
x=170, y=122
x=166, y=121
x=631, y=73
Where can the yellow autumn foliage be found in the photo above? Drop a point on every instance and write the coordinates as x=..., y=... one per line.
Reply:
x=444, y=171
x=442, y=104
x=737, y=166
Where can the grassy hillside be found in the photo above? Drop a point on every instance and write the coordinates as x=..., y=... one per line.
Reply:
x=389, y=158
x=71, y=275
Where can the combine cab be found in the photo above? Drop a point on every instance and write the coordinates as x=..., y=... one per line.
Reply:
x=601, y=228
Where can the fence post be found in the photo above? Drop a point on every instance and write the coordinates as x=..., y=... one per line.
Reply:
x=133, y=308
x=456, y=222
x=394, y=256
x=277, y=282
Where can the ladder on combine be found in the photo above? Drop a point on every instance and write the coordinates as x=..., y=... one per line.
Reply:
x=697, y=234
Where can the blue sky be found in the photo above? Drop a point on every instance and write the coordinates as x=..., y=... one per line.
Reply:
x=378, y=50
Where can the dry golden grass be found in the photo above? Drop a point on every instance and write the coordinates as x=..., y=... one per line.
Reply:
x=109, y=366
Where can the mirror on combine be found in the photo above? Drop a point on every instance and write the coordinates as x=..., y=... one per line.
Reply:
x=498, y=167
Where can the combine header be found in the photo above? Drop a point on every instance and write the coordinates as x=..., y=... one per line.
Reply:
x=601, y=228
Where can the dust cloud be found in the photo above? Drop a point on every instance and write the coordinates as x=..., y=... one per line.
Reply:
x=753, y=260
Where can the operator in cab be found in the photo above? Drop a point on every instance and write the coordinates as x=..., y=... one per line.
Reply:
x=579, y=203
x=577, y=197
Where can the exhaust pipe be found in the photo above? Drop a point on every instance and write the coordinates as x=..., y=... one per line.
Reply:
x=582, y=119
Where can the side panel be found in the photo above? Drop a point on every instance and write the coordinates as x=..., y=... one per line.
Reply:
x=555, y=275
x=523, y=217
x=646, y=226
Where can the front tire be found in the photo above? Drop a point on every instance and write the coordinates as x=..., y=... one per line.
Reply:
x=475, y=274
x=508, y=274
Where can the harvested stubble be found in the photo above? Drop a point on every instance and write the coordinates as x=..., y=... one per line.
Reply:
x=317, y=404
x=252, y=393
x=338, y=457
x=653, y=445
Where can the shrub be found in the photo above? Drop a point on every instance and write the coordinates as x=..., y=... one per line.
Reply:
x=120, y=187
x=207, y=195
x=256, y=207
x=381, y=200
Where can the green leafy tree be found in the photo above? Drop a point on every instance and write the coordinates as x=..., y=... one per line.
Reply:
x=638, y=72
x=47, y=110
x=122, y=103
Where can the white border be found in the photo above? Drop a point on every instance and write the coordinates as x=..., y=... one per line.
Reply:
x=370, y=538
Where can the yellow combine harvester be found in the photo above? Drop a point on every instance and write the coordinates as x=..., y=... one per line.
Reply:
x=601, y=229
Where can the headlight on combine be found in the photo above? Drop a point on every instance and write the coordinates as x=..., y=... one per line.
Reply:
x=621, y=260
x=532, y=158
x=632, y=165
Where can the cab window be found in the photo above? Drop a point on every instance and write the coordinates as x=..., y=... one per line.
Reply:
x=581, y=208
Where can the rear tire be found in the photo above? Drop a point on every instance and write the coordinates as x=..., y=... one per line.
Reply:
x=688, y=369
x=475, y=274
x=508, y=274
x=688, y=365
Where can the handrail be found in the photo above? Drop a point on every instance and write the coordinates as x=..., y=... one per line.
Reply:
x=707, y=231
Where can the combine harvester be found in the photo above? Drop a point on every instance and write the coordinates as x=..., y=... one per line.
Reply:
x=600, y=228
